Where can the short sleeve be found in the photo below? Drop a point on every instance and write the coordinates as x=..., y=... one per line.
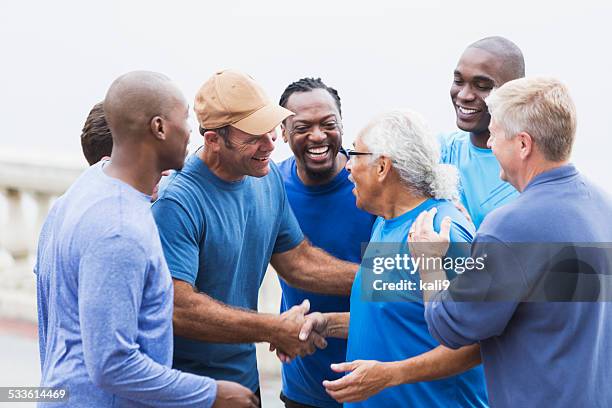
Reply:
x=180, y=239
x=289, y=233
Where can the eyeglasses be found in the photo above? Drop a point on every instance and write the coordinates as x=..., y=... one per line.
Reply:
x=352, y=152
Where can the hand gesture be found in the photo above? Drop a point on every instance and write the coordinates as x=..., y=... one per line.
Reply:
x=424, y=241
x=234, y=395
x=287, y=342
x=367, y=378
x=314, y=322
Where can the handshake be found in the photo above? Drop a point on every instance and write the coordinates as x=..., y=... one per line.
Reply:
x=298, y=333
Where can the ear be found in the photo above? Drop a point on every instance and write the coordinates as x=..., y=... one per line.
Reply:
x=212, y=140
x=284, y=132
x=383, y=168
x=158, y=127
x=526, y=145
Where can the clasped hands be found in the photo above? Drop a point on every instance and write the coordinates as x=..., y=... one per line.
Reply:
x=299, y=333
x=365, y=379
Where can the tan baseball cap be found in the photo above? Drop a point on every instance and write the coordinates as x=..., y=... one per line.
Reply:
x=233, y=98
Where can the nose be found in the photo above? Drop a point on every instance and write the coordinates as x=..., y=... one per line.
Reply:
x=465, y=93
x=268, y=141
x=317, y=135
x=349, y=164
x=490, y=141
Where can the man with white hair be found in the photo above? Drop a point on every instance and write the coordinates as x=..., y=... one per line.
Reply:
x=393, y=359
x=532, y=347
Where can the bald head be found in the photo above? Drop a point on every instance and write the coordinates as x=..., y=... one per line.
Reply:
x=134, y=99
x=512, y=61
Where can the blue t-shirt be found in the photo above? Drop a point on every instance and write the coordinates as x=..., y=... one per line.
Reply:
x=219, y=237
x=396, y=330
x=105, y=302
x=536, y=353
x=330, y=220
x=481, y=190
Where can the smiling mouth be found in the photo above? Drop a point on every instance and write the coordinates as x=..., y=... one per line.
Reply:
x=467, y=111
x=261, y=159
x=317, y=152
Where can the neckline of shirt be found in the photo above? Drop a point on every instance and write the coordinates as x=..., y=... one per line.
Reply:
x=410, y=214
x=332, y=185
x=558, y=173
x=99, y=168
x=202, y=168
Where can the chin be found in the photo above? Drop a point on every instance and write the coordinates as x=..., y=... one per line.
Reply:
x=320, y=172
x=466, y=127
x=261, y=172
x=461, y=126
x=358, y=202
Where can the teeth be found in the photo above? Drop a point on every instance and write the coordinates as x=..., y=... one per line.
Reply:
x=466, y=110
x=318, y=150
x=260, y=158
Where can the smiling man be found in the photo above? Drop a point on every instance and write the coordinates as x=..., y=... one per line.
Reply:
x=545, y=340
x=392, y=359
x=321, y=197
x=104, y=290
x=485, y=65
x=222, y=219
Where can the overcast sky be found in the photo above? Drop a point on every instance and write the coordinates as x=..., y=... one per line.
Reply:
x=59, y=57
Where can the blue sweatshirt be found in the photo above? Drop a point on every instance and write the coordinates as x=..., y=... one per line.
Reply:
x=105, y=302
x=535, y=353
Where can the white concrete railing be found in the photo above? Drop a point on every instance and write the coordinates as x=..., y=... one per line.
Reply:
x=28, y=186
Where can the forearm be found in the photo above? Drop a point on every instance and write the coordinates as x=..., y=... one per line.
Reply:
x=199, y=317
x=311, y=268
x=435, y=364
x=112, y=356
x=133, y=375
x=337, y=325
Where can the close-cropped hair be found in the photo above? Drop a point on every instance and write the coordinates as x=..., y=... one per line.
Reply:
x=404, y=137
x=541, y=107
x=308, y=85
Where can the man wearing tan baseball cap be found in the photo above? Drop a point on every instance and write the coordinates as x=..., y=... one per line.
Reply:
x=233, y=98
x=222, y=219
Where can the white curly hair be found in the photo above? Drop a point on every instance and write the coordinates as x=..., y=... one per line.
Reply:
x=404, y=137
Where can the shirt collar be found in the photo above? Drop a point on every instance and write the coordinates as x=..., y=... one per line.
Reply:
x=558, y=173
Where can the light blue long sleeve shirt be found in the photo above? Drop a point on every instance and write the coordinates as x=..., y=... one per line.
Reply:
x=105, y=302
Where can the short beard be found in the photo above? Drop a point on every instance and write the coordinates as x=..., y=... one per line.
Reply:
x=320, y=176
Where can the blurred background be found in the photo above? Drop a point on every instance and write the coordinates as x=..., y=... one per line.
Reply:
x=58, y=59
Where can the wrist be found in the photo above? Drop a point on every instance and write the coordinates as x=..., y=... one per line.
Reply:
x=336, y=325
x=398, y=373
x=272, y=326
